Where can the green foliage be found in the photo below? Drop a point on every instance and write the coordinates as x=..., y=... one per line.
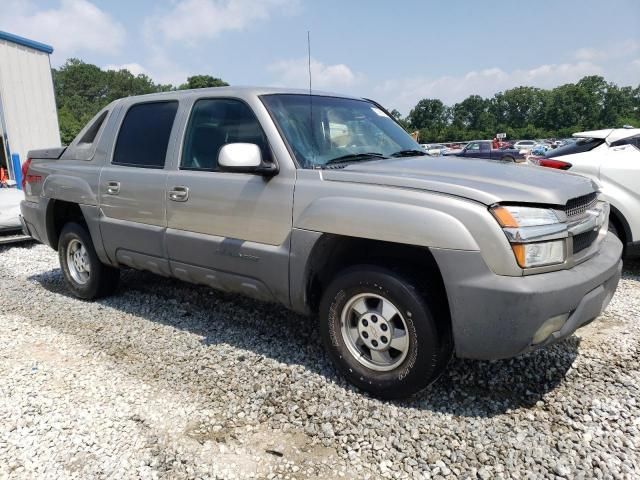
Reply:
x=82, y=90
x=202, y=81
x=528, y=112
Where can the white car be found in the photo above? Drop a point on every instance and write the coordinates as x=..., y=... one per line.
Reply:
x=612, y=158
x=10, y=199
x=524, y=145
x=434, y=149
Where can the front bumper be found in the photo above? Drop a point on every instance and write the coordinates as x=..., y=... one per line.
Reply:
x=496, y=316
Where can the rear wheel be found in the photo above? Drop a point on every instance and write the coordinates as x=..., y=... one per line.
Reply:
x=508, y=158
x=380, y=329
x=86, y=276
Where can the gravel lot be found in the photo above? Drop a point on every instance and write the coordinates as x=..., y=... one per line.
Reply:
x=167, y=380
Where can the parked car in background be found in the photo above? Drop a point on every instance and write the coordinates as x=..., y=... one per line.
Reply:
x=540, y=149
x=612, y=157
x=435, y=149
x=342, y=218
x=10, y=199
x=521, y=145
x=482, y=149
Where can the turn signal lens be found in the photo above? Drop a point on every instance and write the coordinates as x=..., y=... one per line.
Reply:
x=504, y=217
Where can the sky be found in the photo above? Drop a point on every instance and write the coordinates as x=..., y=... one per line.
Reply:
x=396, y=52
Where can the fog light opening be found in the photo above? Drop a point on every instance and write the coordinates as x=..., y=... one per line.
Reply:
x=550, y=326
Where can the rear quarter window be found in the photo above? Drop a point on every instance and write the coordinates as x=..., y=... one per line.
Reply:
x=635, y=141
x=580, y=146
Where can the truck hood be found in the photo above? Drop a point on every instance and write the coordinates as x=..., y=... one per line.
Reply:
x=484, y=181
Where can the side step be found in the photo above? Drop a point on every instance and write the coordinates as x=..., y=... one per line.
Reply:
x=14, y=238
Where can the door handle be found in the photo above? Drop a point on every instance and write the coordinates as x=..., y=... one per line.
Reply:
x=113, y=188
x=179, y=194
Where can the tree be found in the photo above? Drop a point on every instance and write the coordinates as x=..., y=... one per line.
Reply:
x=528, y=112
x=202, y=81
x=398, y=117
x=429, y=114
x=82, y=90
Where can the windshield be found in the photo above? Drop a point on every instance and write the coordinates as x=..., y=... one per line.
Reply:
x=327, y=130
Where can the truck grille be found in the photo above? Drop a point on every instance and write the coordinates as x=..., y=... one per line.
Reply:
x=584, y=240
x=579, y=205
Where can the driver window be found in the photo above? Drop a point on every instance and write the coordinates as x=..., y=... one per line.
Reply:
x=215, y=123
x=473, y=146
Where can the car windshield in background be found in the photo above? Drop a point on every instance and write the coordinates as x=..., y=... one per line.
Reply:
x=324, y=131
x=579, y=146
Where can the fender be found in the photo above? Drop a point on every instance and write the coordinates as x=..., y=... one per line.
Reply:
x=386, y=221
x=69, y=188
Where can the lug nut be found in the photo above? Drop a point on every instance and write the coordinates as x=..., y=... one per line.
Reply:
x=365, y=335
x=374, y=343
x=365, y=323
x=374, y=319
x=383, y=327
x=383, y=339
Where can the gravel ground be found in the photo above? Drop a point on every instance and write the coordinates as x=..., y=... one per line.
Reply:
x=167, y=380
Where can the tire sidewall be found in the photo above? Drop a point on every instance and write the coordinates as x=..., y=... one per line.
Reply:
x=74, y=231
x=423, y=360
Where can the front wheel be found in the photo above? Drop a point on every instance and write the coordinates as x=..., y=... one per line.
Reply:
x=86, y=276
x=380, y=330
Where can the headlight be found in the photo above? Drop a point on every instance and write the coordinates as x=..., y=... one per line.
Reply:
x=539, y=254
x=524, y=226
x=515, y=216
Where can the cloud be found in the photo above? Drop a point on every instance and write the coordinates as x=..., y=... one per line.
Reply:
x=193, y=20
x=295, y=74
x=403, y=94
x=622, y=49
x=134, y=68
x=73, y=27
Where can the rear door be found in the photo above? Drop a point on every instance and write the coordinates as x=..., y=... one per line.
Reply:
x=133, y=184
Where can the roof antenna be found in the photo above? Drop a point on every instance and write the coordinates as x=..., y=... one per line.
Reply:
x=309, y=57
x=313, y=137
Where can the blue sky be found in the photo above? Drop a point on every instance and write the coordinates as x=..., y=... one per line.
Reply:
x=394, y=51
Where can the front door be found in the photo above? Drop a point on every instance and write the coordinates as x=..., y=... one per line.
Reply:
x=132, y=188
x=228, y=230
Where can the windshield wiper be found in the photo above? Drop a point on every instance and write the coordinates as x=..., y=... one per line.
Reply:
x=354, y=157
x=408, y=153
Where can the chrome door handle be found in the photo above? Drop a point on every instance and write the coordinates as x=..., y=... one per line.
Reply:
x=113, y=188
x=179, y=194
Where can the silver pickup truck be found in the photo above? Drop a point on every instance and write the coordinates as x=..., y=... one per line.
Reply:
x=324, y=204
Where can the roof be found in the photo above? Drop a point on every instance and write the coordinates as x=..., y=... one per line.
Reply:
x=240, y=91
x=610, y=134
x=25, y=42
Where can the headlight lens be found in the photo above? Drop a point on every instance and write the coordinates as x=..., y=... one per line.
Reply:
x=523, y=219
x=516, y=216
x=539, y=254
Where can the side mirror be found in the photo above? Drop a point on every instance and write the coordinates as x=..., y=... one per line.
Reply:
x=244, y=158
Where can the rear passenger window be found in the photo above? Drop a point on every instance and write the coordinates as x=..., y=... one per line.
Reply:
x=213, y=124
x=144, y=135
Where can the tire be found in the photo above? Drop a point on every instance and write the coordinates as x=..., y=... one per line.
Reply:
x=508, y=159
x=86, y=276
x=354, y=296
